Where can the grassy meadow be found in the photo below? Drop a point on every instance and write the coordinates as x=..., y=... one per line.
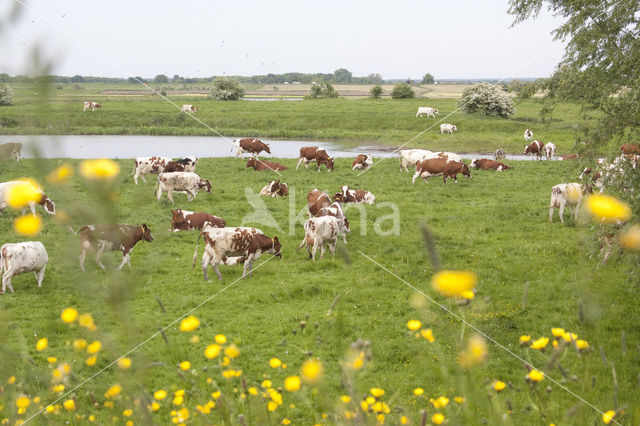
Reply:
x=532, y=276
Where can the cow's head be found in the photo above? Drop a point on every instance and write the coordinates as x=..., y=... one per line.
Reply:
x=275, y=186
x=474, y=163
x=435, y=110
x=465, y=171
x=48, y=204
x=146, y=233
x=97, y=105
x=276, y=248
x=204, y=184
x=177, y=216
x=267, y=149
x=454, y=128
x=330, y=163
x=283, y=190
x=251, y=162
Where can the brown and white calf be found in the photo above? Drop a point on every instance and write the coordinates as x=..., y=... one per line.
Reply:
x=440, y=166
x=499, y=154
x=29, y=256
x=187, y=164
x=91, y=105
x=316, y=200
x=335, y=210
x=252, y=145
x=11, y=149
x=46, y=202
x=630, y=148
x=260, y=165
x=319, y=231
x=358, y=196
x=275, y=189
x=148, y=165
x=549, y=150
x=566, y=194
x=247, y=243
x=487, y=164
x=181, y=182
x=185, y=220
x=535, y=148
x=528, y=135
x=448, y=128
x=568, y=157
x=362, y=162
x=317, y=154
x=189, y=109
x=112, y=237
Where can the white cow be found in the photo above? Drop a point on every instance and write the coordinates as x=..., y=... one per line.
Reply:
x=148, y=165
x=11, y=149
x=428, y=111
x=181, y=182
x=335, y=210
x=549, y=150
x=528, y=135
x=29, y=256
x=47, y=203
x=409, y=157
x=189, y=109
x=447, y=128
x=566, y=194
x=320, y=231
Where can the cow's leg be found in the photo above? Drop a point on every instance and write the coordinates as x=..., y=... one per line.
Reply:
x=332, y=249
x=577, y=208
x=313, y=250
x=551, y=213
x=170, y=195
x=344, y=238
x=159, y=192
x=415, y=175
x=126, y=258
x=562, y=212
x=206, y=260
x=99, y=255
x=144, y=179
x=322, y=249
x=247, y=265
x=6, y=281
x=299, y=161
x=40, y=275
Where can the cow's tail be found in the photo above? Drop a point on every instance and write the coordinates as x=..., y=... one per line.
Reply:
x=195, y=253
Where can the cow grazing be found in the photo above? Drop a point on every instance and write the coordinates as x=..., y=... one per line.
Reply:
x=447, y=128
x=260, y=165
x=316, y=200
x=630, y=148
x=566, y=194
x=275, y=189
x=181, y=182
x=528, y=135
x=319, y=231
x=252, y=145
x=11, y=149
x=428, y=111
x=499, y=154
x=440, y=166
x=314, y=153
x=187, y=164
x=148, y=165
x=358, y=196
x=487, y=164
x=17, y=258
x=189, y=109
x=410, y=157
x=46, y=202
x=185, y=220
x=536, y=148
x=362, y=162
x=568, y=157
x=112, y=237
x=549, y=150
x=335, y=210
x=91, y=105
x=248, y=244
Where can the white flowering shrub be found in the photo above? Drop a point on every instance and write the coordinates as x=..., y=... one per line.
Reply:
x=487, y=99
x=6, y=95
x=225, y=89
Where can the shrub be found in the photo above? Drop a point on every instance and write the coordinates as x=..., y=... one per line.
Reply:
x=322, y=91
x=376, y=91
x=402, y=91
x=225, y=89
x=6, y=95
x=487, y=99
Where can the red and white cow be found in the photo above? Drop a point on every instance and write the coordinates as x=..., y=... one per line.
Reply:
x=148, y=165
x=275, y=189
x=317, y=154
x=428, y=111
x=549, y=150
x=181, y=182
x=362, y=162
x=261, y=165
x=566, y=194
x=189, y=109
x=568, y=157
x=111, y=237
x=316, y=200
x=440, y=167
x=536, y=148
x=630, y=148
x=528, y=135
x=320, y=231
x=335, y=210
x=487, y=164
x=448, y=128
x=252, y=145
x=357, y=196
x=46, y=202
x=29, y=256
x=187, y=164
x=185, y=220
x=410, y=157
x=246, y=243
x=91, y=105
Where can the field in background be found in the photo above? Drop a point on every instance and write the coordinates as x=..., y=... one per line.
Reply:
x=495, y=224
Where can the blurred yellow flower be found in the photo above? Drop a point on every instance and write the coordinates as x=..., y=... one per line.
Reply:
x=437, y=419
x=377, y=392
x=629, y=239
x=194, y=339
x=113, y=391
x=272, y=406
x=128, y=412
x=59, y=388
x=414, y=325
x=292, y=383
x=23, y=401
x=311, y=370
x=418, y=391
x=441, y=402
x=345, y=398
x=99, y=169
x=535, y=375
x=475, y=353
x=582, y=344
x=608, y=416
x=266, y=384
x=154, y=406
x=557, y=332
x=275, y=363
x=185, y=365
x=69, y=315
x=91, y=361
x=253, y=391
x=80, y=344
x=540, y=343
x=459, y=399
x=189, y=323
x=42, y=344
x=453, y=283
x=94, y=347
x=215, y=395
x=404, y=420
x=27, y=225
x=178, y=400
x=499, y=385
x=124, y=363
x=225, y=361
x=52, y=359
x=160, y=394
x=568, y=337
x=427, y=334
x=211, y=351
x=11, y=380
x=469, y=294
x=555, y=343
x=220, y=339
x=525, y=338
x=232, y=351
x=69, y=405
x=286, y=422
x=23, y=192
x=92, y=418
x=60, y=175
x=606, y=208
x=86, y=321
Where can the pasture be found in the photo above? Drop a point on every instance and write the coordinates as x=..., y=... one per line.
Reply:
x=533, y=276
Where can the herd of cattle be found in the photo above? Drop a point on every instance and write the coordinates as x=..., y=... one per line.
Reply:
x=243, y=245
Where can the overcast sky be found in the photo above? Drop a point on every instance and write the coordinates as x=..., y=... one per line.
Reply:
x=397, y=39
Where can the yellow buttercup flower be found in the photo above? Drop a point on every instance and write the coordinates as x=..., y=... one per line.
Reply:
x=128, y=412
x=568, y=337
x=311, y=370
x=453, y=283
x=60, y=175
x=232, y=351
x=427, y=333
x=275, y=363
x=377, y=392
x=629, y=239
x=113, y=391
x=59, y=388
x=185, y=365
x=459, y=399
x=86, y=321
x=124, y=363
x=69, y=405
x=94, y=347
x=292, y=383
x=23, y=192
x=345, y=398
x=27, y=225
x=582, y=344
x=100, y=169
x=272, y=406
x=524, y=339
x=11, y=380
x=437, y=419
x=557, y=332
x=189, y=323
x=540, y=343
x=535, y=375
x=414, y=325
x=608, y=416
x=608, y=209
x=42, y=344
x=23, y=402
x=212, y=351
x=441, y=402
x=160, y=394
x=469, y=294
x=499, y=385
x=220, y=339
x=404, y=420
x=253, y=391
x=266, y=384
x=475, y=353
x=418, y=391
x=69, y=315
x=52, y=359
x=80, y=344
x=91, y=361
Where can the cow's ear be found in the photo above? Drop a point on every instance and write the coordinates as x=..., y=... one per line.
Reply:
x=275, y=239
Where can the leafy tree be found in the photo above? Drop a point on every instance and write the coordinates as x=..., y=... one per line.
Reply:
x=161, y=78
x=487, y=99
x=322, y=91
x=225, y=89
x=428, y=79
x=599, y=69
x=342, y=75
x=402, y=91
x=375, y=91
x=375, y=78
x=6, y=95
x=4, y=77
x=77, y=79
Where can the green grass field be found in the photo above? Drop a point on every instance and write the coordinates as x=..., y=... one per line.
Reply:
x=532, y=276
